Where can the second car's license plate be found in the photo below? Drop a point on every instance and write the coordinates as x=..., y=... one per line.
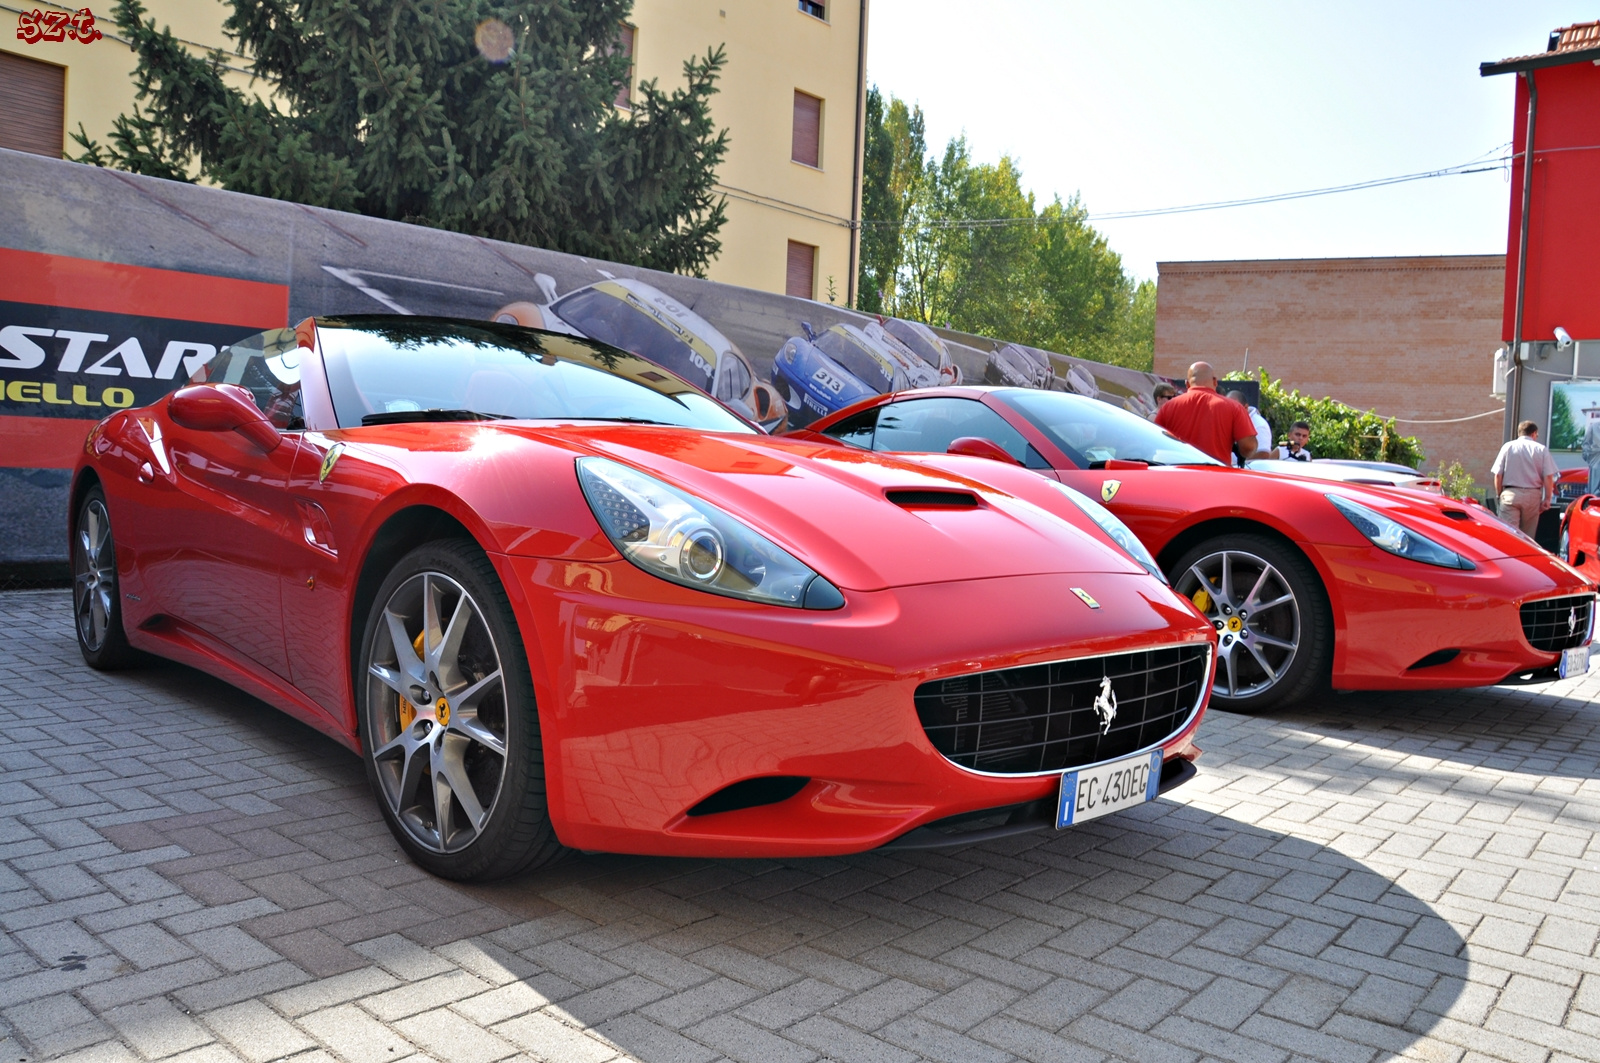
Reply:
x=1574, y=662
x=1104, y=788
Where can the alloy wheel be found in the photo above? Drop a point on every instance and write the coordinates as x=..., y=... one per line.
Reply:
x=437, y=712
x=1257, y=618
x=94, y=575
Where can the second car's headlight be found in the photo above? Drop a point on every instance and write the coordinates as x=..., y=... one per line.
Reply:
x=1388, y=534
x=1120, y=533
x=674, y=535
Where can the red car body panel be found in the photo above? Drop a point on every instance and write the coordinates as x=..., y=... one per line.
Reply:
x=1388, y=612
x=249, y=565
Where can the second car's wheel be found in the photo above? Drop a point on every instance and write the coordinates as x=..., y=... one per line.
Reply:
x=1274, y=627
x=449, y=730
x=96, y=598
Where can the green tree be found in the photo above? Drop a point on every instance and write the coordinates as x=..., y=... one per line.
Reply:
x=892, y=173
x=486, y=118
x=953, y=241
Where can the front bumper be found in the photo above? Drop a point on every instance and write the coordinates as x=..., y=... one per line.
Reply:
x=1395, y=614
x=653, y=697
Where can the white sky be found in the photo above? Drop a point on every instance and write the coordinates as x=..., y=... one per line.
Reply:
x=1138, y=104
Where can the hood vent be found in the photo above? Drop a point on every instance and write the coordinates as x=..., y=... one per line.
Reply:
x=922, y=498
x=1456, y=514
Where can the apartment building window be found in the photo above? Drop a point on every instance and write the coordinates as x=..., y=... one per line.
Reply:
x=801, y=276
x=807, y=146
x=33, y=97
x=814, y=9
x=625, y=44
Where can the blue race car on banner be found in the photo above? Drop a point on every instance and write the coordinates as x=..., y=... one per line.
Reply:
x=819, y=373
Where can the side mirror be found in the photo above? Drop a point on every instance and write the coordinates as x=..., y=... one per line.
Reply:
x=979, y=447
x=222, y=408
x=771, y=412
x=811, y=333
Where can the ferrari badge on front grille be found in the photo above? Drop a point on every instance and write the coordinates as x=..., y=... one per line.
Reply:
x=1105, y=705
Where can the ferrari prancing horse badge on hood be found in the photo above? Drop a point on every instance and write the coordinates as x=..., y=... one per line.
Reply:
x=1108, y=490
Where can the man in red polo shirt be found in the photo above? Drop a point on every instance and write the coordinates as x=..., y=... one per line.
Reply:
x=1206, y=420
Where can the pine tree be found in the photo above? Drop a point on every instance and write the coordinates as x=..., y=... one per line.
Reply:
x=487, y=118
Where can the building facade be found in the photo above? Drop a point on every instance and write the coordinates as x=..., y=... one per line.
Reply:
x=791, y=96
x=1410, y=338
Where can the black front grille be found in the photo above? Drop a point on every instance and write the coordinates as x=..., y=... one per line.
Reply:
x=1043, y=717
x=1557, y=623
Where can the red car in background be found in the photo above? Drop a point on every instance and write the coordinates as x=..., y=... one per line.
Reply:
x=556, y=596
x=1306, y=581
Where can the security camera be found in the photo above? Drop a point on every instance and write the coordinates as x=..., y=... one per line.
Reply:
x=1563, y=338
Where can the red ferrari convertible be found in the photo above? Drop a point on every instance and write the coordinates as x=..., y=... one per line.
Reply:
x=1305, y=581
x=555, y=596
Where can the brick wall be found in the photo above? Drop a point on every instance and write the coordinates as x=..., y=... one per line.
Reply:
x=1406, y=337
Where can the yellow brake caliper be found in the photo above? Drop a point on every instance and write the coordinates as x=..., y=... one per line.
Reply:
x=1202, y=600
x=408, y=711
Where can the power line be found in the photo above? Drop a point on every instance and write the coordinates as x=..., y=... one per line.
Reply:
x=1479, y=165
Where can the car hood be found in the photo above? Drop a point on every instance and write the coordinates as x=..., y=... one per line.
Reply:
x=865, y=521
x=1466, y=528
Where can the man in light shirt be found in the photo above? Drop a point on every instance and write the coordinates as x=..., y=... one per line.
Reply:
x=1298, y=446
x=1524, y=479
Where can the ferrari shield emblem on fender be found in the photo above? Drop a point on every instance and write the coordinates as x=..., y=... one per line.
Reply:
x=1087, y=600
x=329, y=460
x=1109, y=489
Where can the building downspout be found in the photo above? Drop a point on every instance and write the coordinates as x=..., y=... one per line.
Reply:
x=856, y=162
x=1514, y=377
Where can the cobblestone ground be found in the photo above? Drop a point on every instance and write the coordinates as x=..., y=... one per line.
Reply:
x=189, y=875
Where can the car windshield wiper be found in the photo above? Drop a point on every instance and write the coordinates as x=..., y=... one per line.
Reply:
x=626, y=420
x=405, y=416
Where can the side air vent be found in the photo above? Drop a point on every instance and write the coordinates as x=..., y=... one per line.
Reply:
x=1456, y=514
x=1435, y=658
x=751, y=793
x=908, y=497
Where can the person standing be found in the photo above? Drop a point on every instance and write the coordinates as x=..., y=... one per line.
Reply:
x=1591, y=453
x=1206, y=420
x=1263, y=429
x=1524, y=479
x=1163, y=394
x=1297, y=447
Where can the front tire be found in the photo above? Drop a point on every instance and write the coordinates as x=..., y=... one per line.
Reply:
x=449, y=728
x=96, y=591
x=1274, y=626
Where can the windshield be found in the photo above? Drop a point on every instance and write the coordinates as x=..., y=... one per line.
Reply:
x=609, y=319
x=844, y=349
x=1091, y=432
x=385, y=367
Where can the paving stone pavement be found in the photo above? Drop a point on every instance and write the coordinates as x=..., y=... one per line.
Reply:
x=186, y=874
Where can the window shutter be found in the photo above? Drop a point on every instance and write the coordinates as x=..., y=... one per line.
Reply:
x=625, y=46
x=807, y=129
x=802, y=273
x=33, y=99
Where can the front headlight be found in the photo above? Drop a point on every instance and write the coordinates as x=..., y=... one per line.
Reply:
x=686, y=540
x=1120, y=533
x=1391, y=535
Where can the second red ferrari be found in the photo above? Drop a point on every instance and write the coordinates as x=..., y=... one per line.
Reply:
x=1306, y=582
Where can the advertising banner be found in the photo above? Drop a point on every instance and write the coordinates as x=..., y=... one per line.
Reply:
x=114, y=288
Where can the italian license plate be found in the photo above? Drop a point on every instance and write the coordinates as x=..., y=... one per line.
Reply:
x=1095, y=791
x=1574, y=662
